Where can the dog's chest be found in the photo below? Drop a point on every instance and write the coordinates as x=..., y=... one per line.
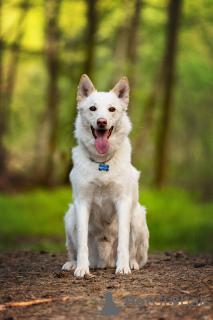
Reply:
x=102, y=198
x=102, y=213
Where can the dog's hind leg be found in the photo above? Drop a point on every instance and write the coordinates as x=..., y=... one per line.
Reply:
x=70, y=227
x=139, y=238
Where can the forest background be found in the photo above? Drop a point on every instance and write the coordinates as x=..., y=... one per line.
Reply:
x=165, y=48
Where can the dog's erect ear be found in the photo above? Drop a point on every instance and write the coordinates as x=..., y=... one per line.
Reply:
x=122, y=90
x=85, y=88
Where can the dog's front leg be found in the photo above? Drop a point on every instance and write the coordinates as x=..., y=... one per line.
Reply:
x=124, y=215
x=82, y=218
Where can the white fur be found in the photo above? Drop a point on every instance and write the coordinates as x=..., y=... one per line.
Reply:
x=105, y=225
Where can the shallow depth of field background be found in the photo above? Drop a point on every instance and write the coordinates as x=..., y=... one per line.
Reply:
x=165, y=49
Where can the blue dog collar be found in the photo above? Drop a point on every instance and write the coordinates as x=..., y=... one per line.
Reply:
x=102, y=165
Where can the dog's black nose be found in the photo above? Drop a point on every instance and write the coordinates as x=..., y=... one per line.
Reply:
x=101, y=122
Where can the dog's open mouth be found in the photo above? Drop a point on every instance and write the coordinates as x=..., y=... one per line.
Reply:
x=101, y=139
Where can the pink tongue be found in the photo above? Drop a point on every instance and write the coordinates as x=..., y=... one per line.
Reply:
x=101, y=142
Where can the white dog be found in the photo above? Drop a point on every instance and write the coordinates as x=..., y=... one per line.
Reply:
x=106, y=226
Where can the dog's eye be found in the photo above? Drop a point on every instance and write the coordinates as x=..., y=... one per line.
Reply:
x=93, y=108
x=112, y=109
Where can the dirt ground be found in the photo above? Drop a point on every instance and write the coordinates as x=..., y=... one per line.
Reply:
x=28, y=276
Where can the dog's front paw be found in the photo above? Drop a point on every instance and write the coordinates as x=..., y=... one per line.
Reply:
x=70, y=265
x=123, y=270
x=134, y=265
x=80, y=272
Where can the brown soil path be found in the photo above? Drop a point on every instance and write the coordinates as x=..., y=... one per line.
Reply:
x=28, y=276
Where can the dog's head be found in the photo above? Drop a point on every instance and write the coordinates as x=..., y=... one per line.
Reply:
x=102, y=122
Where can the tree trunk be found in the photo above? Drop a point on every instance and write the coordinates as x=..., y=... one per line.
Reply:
x=90, y=37
x=52, y=33
x=121, y=45
x=149, y=113
x=174, y=12
x=2, y=114
x=132, y=49
x=48, y=129
x=120, y=53
x=6, y=91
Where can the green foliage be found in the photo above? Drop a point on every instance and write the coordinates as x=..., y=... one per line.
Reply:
x=35, y=215
x=177, y=220
x=191, y=131
x=35, y=220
